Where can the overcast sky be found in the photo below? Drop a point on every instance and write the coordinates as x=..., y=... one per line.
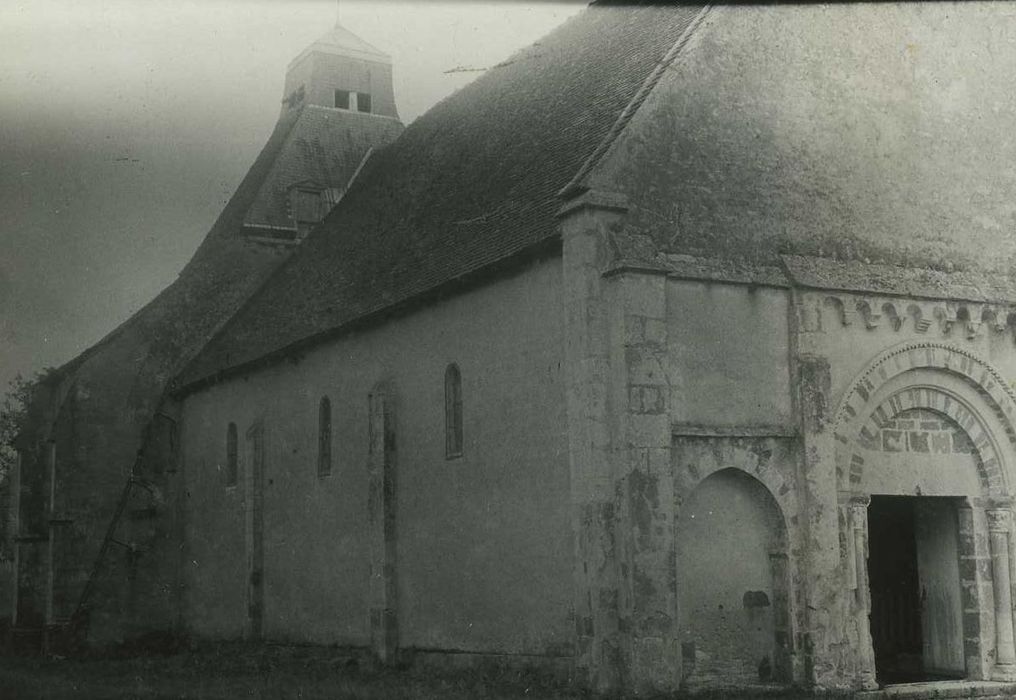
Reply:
x=126, y=125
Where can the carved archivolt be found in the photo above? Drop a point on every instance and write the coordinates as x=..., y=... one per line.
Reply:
x=969, y=318
x=859, y=417
x=989, y=464
x=930, y=355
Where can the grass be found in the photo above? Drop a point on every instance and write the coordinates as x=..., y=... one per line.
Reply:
x=237, y=671
x=234, y=670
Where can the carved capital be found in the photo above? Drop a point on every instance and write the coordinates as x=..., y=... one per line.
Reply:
x=859, y=512
x=999, y=520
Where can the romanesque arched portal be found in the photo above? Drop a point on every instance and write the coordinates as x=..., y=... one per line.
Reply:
x=924, y=444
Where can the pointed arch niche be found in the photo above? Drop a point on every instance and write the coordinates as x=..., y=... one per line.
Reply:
x=924, y=444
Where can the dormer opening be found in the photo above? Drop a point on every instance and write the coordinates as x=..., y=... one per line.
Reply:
x=306, y=205
x=309, y=203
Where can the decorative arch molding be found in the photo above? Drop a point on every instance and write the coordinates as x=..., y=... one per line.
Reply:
x=864, y=410
x=940, y=401
x=930, y=355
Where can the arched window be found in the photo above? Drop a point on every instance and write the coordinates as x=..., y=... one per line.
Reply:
x=453, y=411
x=231, y=465
x=324, y=461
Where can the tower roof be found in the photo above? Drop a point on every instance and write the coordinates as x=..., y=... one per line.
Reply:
x=339, y=41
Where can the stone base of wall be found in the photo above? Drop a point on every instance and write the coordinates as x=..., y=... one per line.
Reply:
x=555, y=669
x=981, y=690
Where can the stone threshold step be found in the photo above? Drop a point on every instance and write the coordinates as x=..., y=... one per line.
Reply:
x=942, y=689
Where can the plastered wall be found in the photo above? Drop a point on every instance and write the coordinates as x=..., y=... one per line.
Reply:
x=729, y=355
x=483, y=559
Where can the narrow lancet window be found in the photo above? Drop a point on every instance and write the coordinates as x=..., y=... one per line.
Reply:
x=453, y=412
x=324, y=464
x=231, y=459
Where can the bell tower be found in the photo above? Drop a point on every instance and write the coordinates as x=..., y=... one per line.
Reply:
x=341, y=71
x=338, y=108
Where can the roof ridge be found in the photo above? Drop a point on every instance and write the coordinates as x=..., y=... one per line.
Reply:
x=576, y=184
x=396, y=223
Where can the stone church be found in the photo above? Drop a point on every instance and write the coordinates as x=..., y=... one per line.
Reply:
x=675, y=352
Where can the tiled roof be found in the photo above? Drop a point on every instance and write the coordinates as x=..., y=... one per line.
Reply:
x=109, y=395
x=325, y=146
x=223, y=272
x=470, y=183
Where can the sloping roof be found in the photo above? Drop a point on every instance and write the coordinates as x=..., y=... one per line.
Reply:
x=108, y=396
x=798, y=129
x=325, y=146
x=470, y=183
x=222, y=273
x=343, y=42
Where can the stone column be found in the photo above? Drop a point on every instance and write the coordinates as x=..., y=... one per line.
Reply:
x=999, y=528
x=859, y=532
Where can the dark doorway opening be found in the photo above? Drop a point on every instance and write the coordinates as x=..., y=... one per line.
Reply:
x=913, y=571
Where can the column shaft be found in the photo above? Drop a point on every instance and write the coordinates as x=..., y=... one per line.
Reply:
x=999, y=526
x=866, y=653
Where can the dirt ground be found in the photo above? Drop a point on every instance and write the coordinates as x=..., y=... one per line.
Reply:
x=230, y=671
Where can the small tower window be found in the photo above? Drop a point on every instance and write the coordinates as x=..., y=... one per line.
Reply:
x=305, y=205
x=453, y=412
x=231, y=457
x=351, y=100
x=324, y=464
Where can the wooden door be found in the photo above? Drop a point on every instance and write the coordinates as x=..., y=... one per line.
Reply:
x=939, y=574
